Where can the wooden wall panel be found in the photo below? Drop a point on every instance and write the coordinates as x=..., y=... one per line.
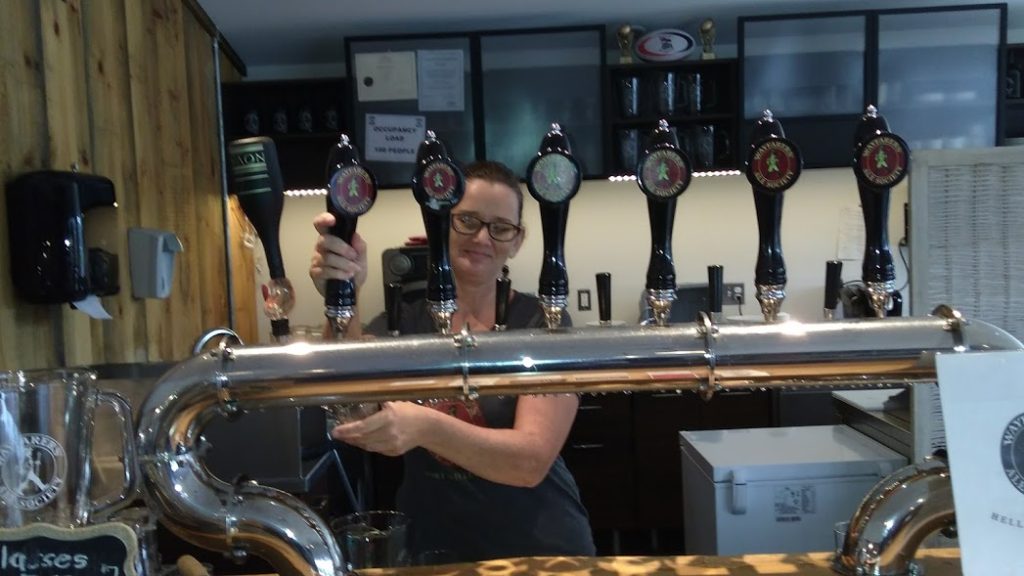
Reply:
x=26, y=332
x=126, y=89
x=123, y=340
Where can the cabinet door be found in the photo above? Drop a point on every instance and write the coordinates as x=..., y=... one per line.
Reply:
x=533, y=79
x=809, y=71
x=402, y=86
x=938, y=76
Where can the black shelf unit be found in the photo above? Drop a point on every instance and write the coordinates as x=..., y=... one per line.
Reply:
x=303, y=117
x=1013, y=104
x=703, y=110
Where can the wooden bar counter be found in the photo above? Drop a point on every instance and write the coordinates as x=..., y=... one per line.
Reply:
x=936, y=562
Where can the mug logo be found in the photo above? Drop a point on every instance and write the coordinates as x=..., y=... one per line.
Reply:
x=1011, y=449
x=33, y=478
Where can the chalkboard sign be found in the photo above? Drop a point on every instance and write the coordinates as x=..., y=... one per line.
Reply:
x=45, y=550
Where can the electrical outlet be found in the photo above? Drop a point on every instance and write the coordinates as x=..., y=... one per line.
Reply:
x=733, y=294
x=583, y=300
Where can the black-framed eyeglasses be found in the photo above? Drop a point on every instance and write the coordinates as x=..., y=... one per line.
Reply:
x=500, y=230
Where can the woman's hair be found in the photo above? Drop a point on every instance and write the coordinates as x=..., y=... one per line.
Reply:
x=497, y=173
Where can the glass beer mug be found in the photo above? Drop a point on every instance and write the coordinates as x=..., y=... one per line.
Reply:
x=46, y=428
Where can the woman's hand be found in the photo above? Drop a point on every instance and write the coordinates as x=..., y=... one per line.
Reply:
x=334, y=259
x=393, y=431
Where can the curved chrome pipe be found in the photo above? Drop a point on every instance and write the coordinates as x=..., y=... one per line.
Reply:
x=705, y=358
x=894, y=518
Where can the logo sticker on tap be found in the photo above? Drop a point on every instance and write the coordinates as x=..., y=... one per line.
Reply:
x=774, y=165
x=352, y=190
x=554, y=178
x=441, y=184
x=665, y=173
x=32, y=475
x=881, y=161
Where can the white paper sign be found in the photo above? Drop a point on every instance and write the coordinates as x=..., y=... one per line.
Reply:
x=383, y=76
x=983, y=407
x=393, y=137
x=440, y=76
x=850, y=243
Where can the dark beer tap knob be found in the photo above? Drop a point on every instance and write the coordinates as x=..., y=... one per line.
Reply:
x=773, y=166
x=351, y=192
x=604, y=297
x=715, y=289
x=880, y=161
x=503, y=288
x=256, y=181
x=663, y=174
x=393, y=307
x=833, y=283
x=553, y=178
x=438, y=185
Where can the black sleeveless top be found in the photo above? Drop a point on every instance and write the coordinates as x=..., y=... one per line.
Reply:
x=469, y=518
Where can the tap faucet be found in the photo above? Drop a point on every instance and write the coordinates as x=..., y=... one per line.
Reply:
x=773, y=166
x=553, y=178
x=351, y=192
x=880, y=162
x=663, y=174
x=438, y=185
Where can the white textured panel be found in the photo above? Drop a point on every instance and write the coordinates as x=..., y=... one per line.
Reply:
x=968, y=226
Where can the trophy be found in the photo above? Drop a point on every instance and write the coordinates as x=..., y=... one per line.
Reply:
x=626, y=35
x=707, y=39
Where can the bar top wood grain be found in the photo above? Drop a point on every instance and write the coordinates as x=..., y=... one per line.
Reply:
x=936, y=562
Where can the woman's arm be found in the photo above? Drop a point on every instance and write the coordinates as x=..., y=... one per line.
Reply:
x=517, y=456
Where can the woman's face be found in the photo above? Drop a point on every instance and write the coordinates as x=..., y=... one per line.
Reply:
x=477, y=258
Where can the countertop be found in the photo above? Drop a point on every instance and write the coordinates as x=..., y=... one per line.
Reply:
x=936, y=561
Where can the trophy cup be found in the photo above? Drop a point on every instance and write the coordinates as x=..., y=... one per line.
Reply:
x=626, y=35
x=707, y=39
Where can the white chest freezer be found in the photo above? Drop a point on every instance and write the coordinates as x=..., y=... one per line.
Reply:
x=763, y=490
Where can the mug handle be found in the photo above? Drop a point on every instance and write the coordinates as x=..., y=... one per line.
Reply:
x=123, y=409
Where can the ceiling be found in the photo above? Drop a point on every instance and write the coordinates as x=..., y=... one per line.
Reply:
x=281, y=33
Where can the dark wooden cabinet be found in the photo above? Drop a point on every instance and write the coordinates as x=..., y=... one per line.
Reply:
x=696, y=97
x=303, y=117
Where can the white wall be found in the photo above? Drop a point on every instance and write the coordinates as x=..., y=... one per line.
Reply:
x=608, y=232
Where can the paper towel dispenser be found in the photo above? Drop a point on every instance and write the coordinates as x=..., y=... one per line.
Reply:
x=50, y=263
x=151, y=255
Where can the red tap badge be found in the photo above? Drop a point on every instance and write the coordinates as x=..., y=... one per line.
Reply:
x=665, y=173
x=774, y=165
x=352, y=190
x=882, y=161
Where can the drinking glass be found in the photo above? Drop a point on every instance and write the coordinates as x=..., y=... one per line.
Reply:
x=374, y=539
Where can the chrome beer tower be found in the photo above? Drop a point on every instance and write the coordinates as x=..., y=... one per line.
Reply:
x=438, y=185
x=663, y=174
x=880, y=160
x=351, y=192
x=773, y=166
x=553, y=178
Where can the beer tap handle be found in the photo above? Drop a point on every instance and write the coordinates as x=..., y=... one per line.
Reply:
x=663, y=174
x=833, y=282
x=553, y=178
x=880, y=161
x=393, y=307
x=351, y=192
x=256, y=181
x=503, y=288
x=773, y=166
x=604, y=297
x=438, y=185
x=715, y=289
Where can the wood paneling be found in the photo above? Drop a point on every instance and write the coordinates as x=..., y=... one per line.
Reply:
x=125, y=89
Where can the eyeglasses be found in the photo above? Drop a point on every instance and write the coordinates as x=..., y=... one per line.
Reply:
x=500, y=230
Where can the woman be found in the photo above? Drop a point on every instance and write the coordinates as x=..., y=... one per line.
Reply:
x=483, y=479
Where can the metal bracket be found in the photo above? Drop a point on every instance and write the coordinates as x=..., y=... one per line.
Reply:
x=707, y=328
x=464, y=341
